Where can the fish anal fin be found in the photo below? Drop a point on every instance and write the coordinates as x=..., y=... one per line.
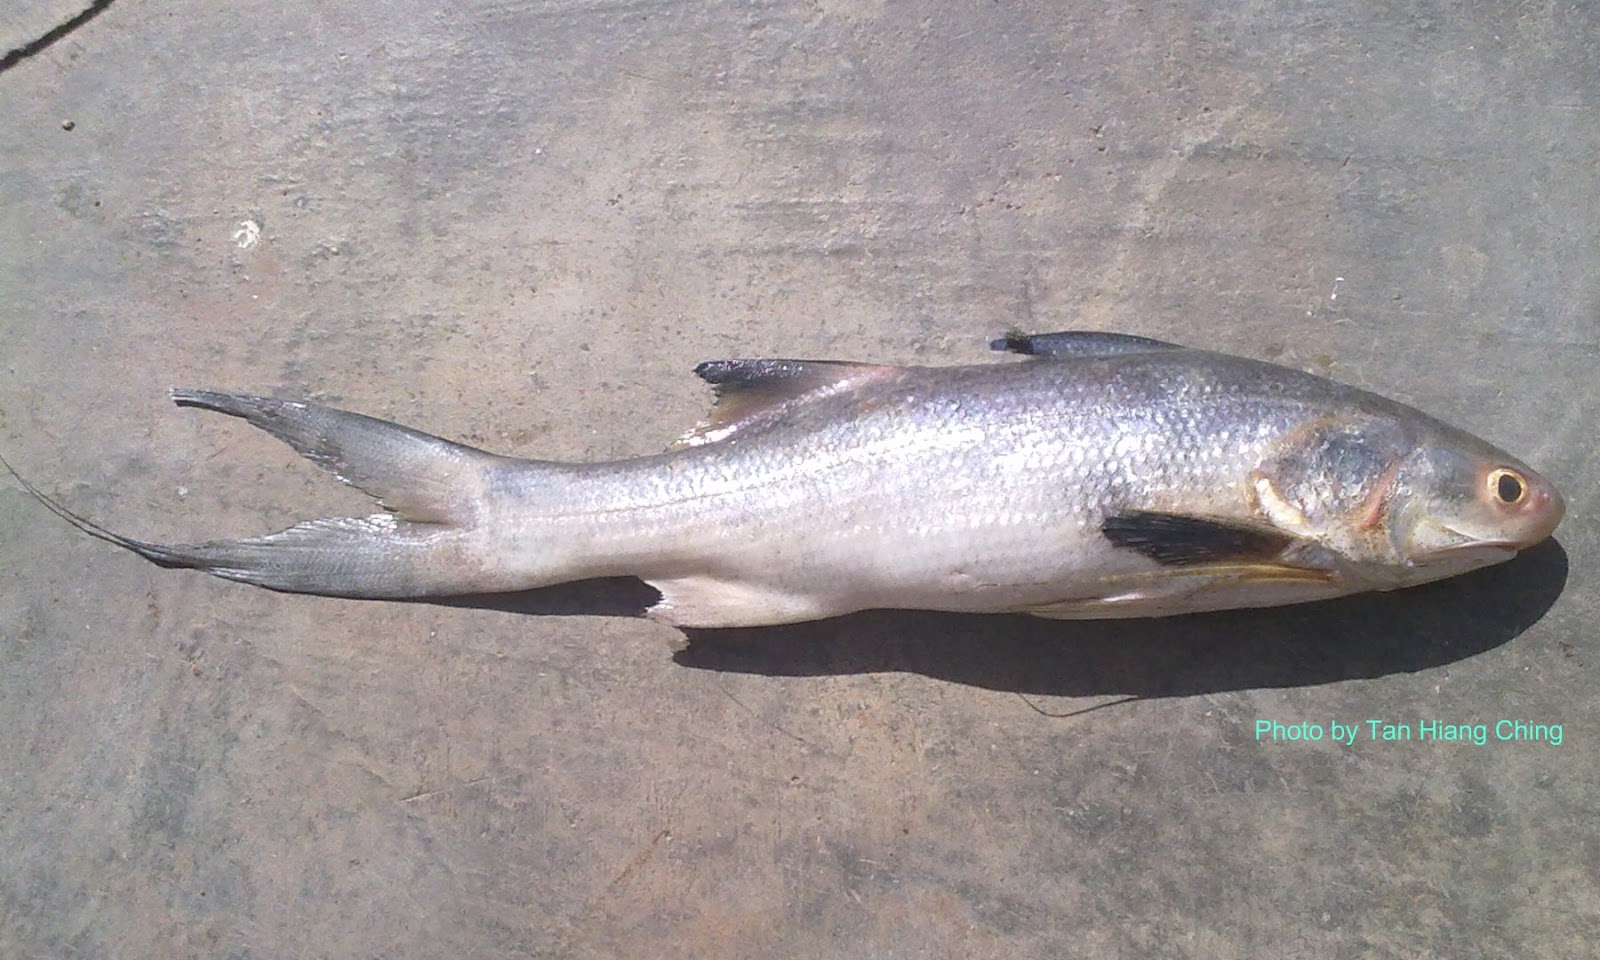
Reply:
x=751, y=394
x=1077, y=343
x=710, y=601
x=1181, y=540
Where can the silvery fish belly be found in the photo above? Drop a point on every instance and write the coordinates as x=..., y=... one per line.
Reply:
x=1100, y=475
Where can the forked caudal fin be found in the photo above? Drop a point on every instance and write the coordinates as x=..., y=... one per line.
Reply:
x=427, y=545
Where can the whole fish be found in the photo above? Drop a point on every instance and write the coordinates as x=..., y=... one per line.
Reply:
x=1104, y=476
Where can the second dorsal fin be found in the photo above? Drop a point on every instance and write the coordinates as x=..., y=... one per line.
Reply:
x=753, y=393
x=1077, y=343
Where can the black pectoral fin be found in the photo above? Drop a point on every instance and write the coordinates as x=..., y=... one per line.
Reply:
x=1077, y=343
x=1179, y=540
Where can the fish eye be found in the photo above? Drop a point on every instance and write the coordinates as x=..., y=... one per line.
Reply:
x=1508, y=486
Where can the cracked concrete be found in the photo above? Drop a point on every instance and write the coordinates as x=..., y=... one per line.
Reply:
x=28, y=29
x=521, y=225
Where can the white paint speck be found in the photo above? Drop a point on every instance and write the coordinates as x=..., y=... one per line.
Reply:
x=247, y=235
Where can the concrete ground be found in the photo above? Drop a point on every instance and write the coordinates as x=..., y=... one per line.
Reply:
x=520, y=224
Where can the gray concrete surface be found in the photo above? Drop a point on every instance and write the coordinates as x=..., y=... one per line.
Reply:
x=521, y=224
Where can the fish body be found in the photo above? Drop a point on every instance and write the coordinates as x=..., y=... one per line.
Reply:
x=1104, y=476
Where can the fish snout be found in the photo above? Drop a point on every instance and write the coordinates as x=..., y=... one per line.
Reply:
x=1542, y=512
x=1522, y=507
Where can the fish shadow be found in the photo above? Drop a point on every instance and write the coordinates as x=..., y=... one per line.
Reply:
x=1371, y=635
x=1359, y=637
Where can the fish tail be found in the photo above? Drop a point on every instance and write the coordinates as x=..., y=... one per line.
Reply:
x=414, y=475
x=428, y=543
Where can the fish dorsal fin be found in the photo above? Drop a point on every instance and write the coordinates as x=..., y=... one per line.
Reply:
x=1078, y=343
x=753, y=393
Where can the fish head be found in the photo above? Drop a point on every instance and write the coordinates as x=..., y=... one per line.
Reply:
x=1402, y=499
x=1461, y=504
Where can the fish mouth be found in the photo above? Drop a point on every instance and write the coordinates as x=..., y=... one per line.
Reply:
x=1482, y=552
x=1487, y=546
x=1459, y=549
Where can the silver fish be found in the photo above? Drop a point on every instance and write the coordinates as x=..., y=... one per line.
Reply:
x=1104, y=476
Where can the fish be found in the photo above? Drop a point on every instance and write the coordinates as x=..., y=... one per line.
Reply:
x=1084, y=475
